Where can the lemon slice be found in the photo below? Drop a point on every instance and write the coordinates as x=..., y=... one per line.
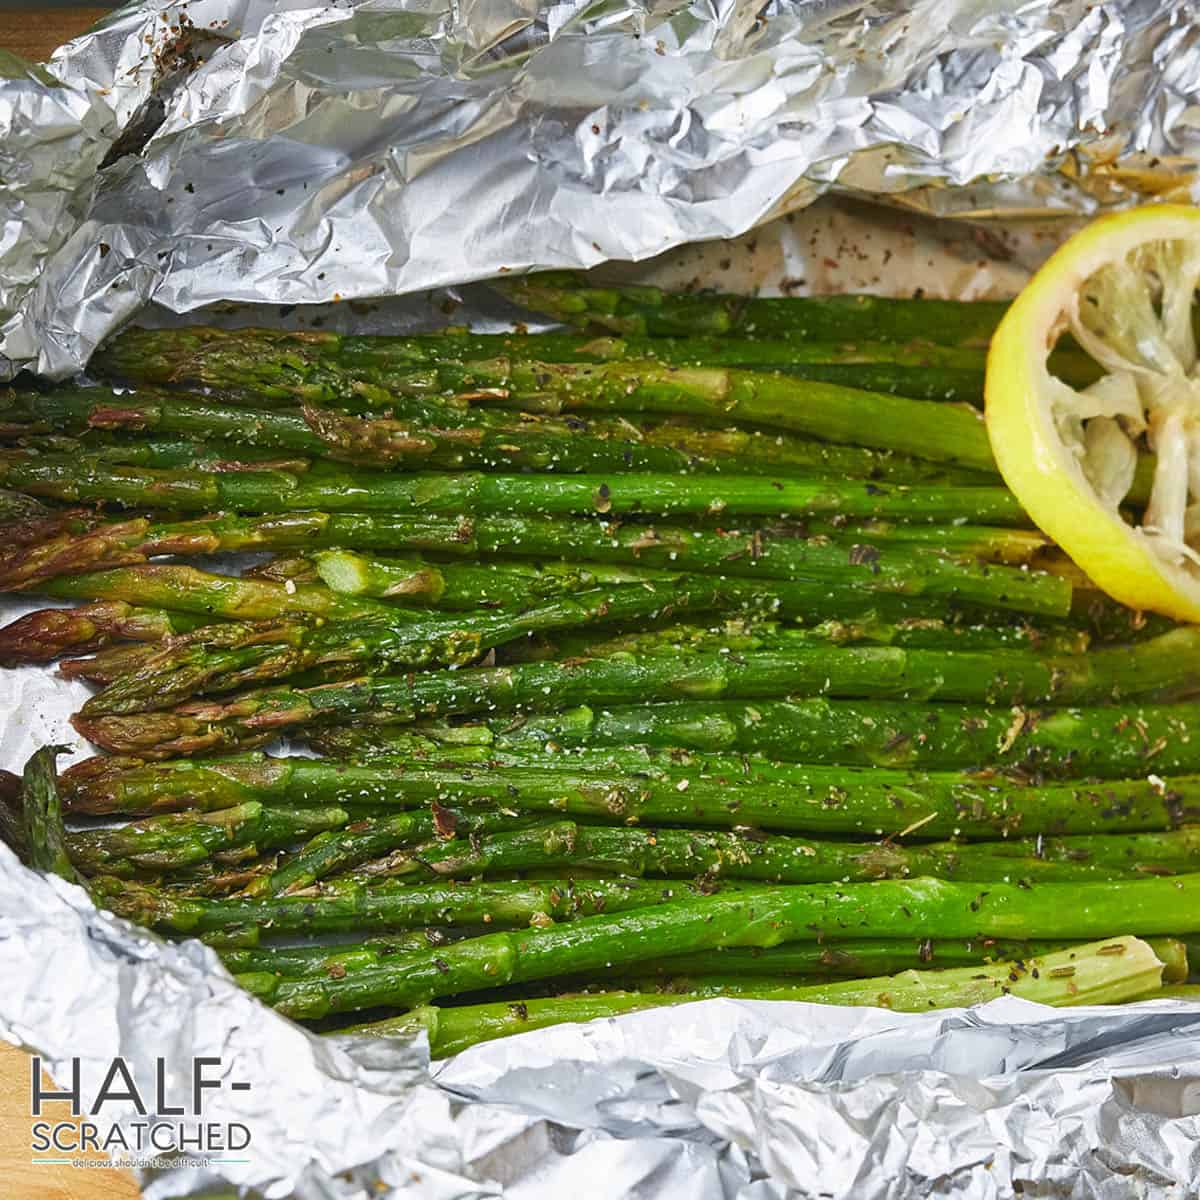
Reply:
x=1124, y=289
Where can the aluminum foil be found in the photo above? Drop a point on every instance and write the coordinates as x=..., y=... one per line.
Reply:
x=266, y=151
x=721, y=1099
x=259, y=151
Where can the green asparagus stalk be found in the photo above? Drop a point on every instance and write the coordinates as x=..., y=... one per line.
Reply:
x=180, y=588
x=771, y=451
x=227, y=657
x=500, y=584
x=852, y=959
x=921, y=369
x=1104, y=742
x=1109, y=972
x=466, y=586
x=650, y=311
x=224, y=658
x=68, y=477
x=480, y=440
x=45, y=834
x=176, y=840
x=324, y=958
x=108, y=665
x=676, y=853
x=810, y=567
x=948, y=433
x=431, y=840
x=901, y=570
x=756, y=917
x=314, y=368
x=740, y=635
x=830, y=960
x=350, y=906
x=1012, y=546
x=641, y=790
x=291, y=368
x=160, y=453
x=51, y=633
x=816, y=730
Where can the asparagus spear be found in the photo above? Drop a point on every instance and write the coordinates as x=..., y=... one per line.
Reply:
x=418, y=832
x=162, y=356
x=1108, y=972
x=949, y=434
x=774, y=451
x=755, y=917
x=108, y=665
x=853, y=959
x=350, y=906
x=483, y=585
x=1106, y=742
x=638, y=789
x=162, y=453
x=218, y=659
x=180, y=588
x=463, y=586
x=68, y=477
x=896, y=571
x=292, y=368
x=50, y=633
x=45, y=835
x=869, y=732
x=856, y=959
x=676, y=853
x=750, y=553
x=226, y=657
x=479, y=439
x=222, y=358
x=649, y=311
x=176, y=840
x=324, y=958
x=738, y=635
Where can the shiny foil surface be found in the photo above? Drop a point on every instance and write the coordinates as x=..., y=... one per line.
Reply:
x=288, y=153
x=281, y=153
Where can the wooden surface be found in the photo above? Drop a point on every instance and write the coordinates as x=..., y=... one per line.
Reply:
x=21, y=1179
x=33, y=31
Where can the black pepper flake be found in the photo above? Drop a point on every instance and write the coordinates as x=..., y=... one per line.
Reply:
x=861, y=555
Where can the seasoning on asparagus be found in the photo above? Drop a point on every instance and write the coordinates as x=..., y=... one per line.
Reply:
x=822, y=578
x=869, y=731
x=755, y=917
x=222, y=658
x=634, y=788
x=89, y=479
x=650, y=311
x=1107, y=972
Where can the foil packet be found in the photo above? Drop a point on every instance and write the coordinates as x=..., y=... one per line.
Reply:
x=358, y=166
x=285, y=153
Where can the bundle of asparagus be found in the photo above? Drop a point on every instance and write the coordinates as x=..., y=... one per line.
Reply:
x=699, y=652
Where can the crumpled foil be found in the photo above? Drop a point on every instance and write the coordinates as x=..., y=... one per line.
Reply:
x=279, y=152
x=718, y=1100
x=274, y=151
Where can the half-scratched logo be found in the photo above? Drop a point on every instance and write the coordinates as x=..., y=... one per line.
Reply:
x=124, y=1125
